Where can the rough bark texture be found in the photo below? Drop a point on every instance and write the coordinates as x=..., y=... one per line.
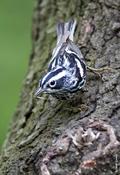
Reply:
x=49, y=136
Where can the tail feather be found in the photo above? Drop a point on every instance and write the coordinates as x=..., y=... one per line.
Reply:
x=65, y=31
x=60, y=28
x=72, y=29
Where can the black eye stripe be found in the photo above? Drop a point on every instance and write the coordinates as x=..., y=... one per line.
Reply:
x=51, y=75
x=59, y=83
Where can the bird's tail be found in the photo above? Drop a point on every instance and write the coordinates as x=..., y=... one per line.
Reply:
x=65, y=31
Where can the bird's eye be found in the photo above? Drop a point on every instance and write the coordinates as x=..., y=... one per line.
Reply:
x=52, y=83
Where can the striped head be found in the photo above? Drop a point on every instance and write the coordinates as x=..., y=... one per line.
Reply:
x=59, y=81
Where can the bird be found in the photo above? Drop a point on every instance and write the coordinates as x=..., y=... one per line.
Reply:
x=66, y=73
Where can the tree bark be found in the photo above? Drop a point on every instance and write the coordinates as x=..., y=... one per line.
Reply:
x=53, y=137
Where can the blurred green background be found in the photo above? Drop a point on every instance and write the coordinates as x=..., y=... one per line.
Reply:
x=15, y=46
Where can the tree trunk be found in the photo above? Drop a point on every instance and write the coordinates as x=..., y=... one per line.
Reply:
x=53, y=137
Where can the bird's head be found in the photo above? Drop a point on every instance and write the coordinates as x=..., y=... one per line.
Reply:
x=58, y=81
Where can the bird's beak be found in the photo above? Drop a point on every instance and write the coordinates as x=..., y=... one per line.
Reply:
x=38, y=91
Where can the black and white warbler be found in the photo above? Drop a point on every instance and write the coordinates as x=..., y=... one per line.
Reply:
x=67, y=69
